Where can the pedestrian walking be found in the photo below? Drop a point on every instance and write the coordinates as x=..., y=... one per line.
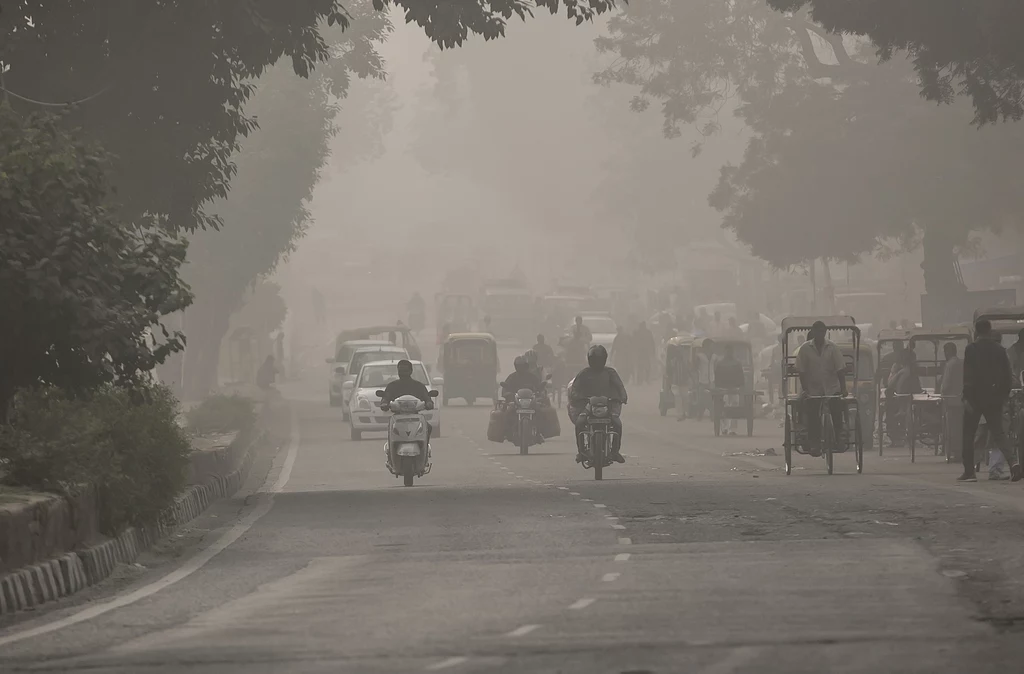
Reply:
x=645, y=348
x=622, y=355
x=987, y=383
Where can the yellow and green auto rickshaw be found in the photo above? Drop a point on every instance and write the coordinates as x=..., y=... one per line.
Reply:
x=469, y=362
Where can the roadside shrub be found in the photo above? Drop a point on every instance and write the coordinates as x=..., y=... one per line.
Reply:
x=221, y=414
x=124, y=441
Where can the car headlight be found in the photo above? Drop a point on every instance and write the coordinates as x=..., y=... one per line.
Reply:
x=364, y=404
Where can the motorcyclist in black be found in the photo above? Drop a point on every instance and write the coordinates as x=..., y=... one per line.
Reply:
x=597, y=380
x=405, y=385
x=522, y=378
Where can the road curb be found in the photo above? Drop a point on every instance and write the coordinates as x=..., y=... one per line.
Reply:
x=63, y=576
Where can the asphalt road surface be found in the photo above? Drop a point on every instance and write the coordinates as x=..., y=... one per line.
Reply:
x=697, y=555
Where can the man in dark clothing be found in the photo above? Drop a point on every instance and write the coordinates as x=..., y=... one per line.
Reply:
x=405, y=385
x=645, y=348
x=987, y=383
x=522, y=377
x=597, y=380
x=545, y=354
x=581, y=331
x=729, y=375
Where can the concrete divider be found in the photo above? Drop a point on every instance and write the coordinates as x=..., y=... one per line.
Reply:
x=55, y=539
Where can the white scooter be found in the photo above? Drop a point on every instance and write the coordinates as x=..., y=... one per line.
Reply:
x=407, y=451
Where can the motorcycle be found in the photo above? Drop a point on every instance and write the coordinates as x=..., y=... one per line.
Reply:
x=526, y=430
x=598, y=435
x=406, y=450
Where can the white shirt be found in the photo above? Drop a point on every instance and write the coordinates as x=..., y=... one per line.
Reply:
x=820, y=370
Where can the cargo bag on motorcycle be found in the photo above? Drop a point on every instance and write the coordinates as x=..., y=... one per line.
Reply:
x=547, y=422
x=496, y=426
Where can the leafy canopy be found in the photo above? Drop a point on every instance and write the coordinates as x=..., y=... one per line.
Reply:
x=81, y=291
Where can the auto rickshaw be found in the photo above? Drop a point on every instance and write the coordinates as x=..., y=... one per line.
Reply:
x=470, y=366
x=720, y=410
x=678, y=371
x=794, y=333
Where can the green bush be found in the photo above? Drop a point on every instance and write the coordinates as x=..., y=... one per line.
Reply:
x=124, y=441
x=221, y=414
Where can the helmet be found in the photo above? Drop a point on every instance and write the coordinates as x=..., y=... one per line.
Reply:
x=521, y=364
x=597, y=356
x=531, y=358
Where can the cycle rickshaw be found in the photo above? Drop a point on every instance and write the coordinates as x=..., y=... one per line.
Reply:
x=930, y=419
x=747, y=396
x=884, y=348
x=794, y=333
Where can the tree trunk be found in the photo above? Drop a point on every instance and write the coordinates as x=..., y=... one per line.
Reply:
x=829, y=288
x=206, y=324
x=940, y=272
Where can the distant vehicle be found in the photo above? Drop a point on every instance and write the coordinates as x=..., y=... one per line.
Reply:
x=365, y=415
x=602, y=328
x=399, y=335
x=361, y=356
x=342, y=356
x=510, y=308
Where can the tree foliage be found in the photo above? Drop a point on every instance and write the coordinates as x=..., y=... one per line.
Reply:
x=162, y=83
x=278, y=166
x=843, y=152
x=449, y=23
x=81, y=291
x=958, y=48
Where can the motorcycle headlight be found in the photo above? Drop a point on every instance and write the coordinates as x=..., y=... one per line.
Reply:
x=524, y=402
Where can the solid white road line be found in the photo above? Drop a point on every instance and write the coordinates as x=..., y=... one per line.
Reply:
x=610, y=577
x=622, y=557
x=522, y=631
x=445, y=664
x=625, y=541
x=581, y=604
x=191, y=566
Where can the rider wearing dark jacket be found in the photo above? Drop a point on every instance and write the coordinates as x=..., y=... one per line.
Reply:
x=522, y=378
x=405, y=385
x=597, y=379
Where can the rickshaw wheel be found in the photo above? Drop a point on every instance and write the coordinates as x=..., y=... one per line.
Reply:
x=788, y=448
x=859, y=438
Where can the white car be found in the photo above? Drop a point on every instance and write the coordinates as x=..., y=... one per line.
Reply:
x=602, y=328
x=365, y=414
x=339, y=366
x=361, y=356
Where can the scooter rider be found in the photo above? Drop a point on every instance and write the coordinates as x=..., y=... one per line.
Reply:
x=405, y=385
x=597, y=380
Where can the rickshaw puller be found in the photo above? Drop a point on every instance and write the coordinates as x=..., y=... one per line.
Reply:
x=822, y=373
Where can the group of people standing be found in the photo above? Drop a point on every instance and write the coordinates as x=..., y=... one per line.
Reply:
x=635, y=353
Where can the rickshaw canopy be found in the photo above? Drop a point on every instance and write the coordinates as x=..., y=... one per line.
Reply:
x=999, y=314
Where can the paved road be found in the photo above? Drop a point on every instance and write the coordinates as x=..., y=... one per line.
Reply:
x=695, y=556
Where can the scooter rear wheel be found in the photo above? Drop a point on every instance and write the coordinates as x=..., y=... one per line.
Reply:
x=408, y=471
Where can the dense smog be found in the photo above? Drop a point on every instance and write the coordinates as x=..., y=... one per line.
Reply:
x=511, y=336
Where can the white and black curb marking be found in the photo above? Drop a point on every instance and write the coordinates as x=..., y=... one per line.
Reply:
x=48, y=581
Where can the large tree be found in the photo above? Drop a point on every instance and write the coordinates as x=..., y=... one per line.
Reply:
x=81, y=291
x=959, y=48
x=843, y=151
x=279, y=164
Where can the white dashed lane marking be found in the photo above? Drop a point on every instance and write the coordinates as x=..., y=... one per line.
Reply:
x=622, y=557
x=625, y=541
x=445, y=664
x=581, y=604
x=600, y=505
x=610, y=577
x=574, y=493
x=618, y=526
x=564, y=488
x=522, y=631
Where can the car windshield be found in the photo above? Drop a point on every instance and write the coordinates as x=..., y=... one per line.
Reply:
x=601, y=324
x=360, y=358
x=379, y=376
x=346, y=350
